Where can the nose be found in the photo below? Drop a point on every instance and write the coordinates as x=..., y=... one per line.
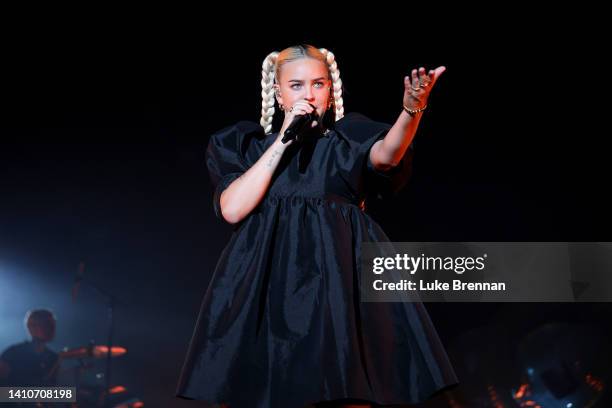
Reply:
x=309, y=96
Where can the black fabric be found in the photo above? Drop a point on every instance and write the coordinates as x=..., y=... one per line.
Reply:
x=281, y=324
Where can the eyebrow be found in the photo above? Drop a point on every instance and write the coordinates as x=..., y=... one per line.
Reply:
x=300, y=81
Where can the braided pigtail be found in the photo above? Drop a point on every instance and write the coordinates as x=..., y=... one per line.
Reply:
x=267, y=92
x=338, y=103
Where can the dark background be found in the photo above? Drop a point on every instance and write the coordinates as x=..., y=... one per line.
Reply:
x=101, y=161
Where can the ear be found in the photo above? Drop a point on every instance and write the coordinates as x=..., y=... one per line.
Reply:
x=277, y=92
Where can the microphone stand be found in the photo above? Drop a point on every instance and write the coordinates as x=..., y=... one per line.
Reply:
x=111, y=302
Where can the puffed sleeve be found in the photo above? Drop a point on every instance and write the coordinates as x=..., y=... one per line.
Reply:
x=227, y=156
x=362, y=133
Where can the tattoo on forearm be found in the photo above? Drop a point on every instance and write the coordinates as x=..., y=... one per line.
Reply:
x=274, y=154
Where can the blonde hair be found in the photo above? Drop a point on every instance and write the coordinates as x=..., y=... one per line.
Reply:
x=271, y=71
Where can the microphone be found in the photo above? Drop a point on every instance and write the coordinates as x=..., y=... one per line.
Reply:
x=299, y=124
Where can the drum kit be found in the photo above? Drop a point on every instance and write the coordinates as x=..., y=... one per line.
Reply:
x=556, y=365
x=91, y=393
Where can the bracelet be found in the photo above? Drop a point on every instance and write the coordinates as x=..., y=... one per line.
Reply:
x=413, y=112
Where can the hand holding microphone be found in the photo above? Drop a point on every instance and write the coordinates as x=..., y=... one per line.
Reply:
x=300, y=118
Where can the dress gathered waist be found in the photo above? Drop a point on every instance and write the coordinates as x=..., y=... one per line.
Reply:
x=318, y=199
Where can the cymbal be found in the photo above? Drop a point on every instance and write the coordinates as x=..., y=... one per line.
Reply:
x=97, y=388
x=98, y=351
x=92, y=394
x=117, y=389
x=102, y=351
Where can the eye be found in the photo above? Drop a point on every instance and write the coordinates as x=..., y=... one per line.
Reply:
x=296, y=85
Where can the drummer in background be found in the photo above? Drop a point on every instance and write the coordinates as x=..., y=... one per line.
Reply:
x=32, y=363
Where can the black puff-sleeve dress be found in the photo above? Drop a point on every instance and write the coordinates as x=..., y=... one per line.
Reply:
x=281, y=324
